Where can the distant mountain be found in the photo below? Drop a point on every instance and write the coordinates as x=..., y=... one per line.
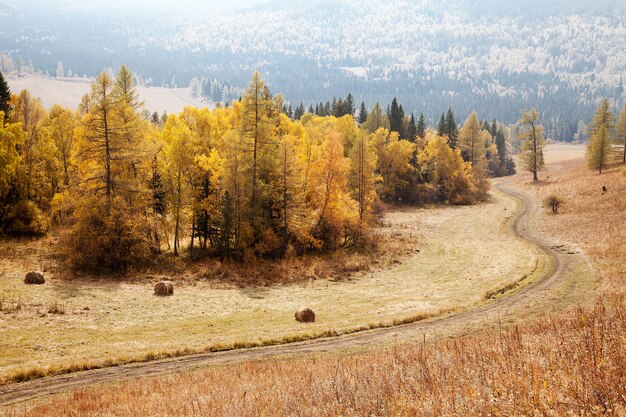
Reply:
x=494, y=57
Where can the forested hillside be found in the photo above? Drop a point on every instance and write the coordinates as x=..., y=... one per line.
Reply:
x=494, y=58
x=245, y=180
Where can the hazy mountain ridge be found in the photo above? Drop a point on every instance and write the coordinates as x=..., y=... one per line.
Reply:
x=494, y=58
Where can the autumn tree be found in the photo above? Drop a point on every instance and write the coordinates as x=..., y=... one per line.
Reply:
x=472, y=140
x=60, y=124
x=362, y=178
x=603, y=116
x=178, y=158
x=112, y=229
x=621, y=132
x=599, y=150
x=531, y=151
x=258, y=126
x=335, y=211
x=452, y=177
x=376, y=119
x=393, y=164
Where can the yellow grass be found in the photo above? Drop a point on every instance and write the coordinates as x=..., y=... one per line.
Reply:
x=69, y=92
x=464, y=254
x=566, y=363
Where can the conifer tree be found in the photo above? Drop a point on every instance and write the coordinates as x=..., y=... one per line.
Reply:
x=451, y=129
x=621, y=131
x=376, y=119
x=421, y=126
x=362, y=114
x=501, y=147
x=412, y=129
x=442, y=128
x=5, y=97
x=259, y=122
x=531, y=154
x=395, y=116
x=599, y=150
x=603, y=116
x=349, y=106
x=472, y=140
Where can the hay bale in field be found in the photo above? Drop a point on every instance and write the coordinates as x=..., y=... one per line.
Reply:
x=35, y=278
x=305, y=315
x=164, y=288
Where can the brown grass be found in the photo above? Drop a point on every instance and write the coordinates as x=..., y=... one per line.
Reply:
x=566, y=363
x=513, y=371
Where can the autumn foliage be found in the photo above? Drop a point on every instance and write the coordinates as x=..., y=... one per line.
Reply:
x=241, y=181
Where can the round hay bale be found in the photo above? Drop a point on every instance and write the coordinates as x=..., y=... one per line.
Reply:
x=164, y=288
x=305, y=315
x=34, y=278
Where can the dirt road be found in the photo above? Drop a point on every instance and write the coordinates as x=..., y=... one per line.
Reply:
x=537, y=297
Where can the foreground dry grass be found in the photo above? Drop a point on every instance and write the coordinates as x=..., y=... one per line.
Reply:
x=564, y=365
x=567, y=363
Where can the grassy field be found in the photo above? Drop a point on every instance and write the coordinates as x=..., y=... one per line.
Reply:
x=565, y=363
x=69, y=92
x=459, y=255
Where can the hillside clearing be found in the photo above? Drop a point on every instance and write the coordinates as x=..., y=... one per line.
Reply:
x=454, y=270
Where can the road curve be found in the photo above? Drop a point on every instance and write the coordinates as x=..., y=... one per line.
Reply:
x=471, y=320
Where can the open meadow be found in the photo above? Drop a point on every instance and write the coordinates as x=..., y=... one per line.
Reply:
x=456, y=258
x=68, y=93
x=567, y=362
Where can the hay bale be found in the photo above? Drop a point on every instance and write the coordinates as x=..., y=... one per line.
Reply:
x=164, y=288
x=305, y=315
x=34, y=278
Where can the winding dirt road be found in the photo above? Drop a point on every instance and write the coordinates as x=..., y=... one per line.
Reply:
x=533, y=299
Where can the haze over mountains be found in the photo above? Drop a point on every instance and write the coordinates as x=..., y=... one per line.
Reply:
x=494, y=57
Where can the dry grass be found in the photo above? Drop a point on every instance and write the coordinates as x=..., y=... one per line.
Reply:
x=109, y=321
x=577, y=370
x=566, y=363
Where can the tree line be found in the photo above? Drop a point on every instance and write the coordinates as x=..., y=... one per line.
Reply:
x=239, y=181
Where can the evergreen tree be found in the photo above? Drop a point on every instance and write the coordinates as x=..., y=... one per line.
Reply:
x=451, y=129
x=226, y=236
x=395, y=115
x=5, y=97
x=339, y=108
x=442, y=129
x=362, y=114
x=349, y=107
x=412, y=129
x=421, y=126
x=299, y=112
x=493, y=129
x=501, y=147
x=311, y=109
x=327, y=109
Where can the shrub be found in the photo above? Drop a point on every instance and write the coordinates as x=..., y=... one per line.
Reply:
x=113, y=239
x=553, y=202
x=24, y=218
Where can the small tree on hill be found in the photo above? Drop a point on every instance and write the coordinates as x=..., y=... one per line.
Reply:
x=599, y=150
x=532, y=142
